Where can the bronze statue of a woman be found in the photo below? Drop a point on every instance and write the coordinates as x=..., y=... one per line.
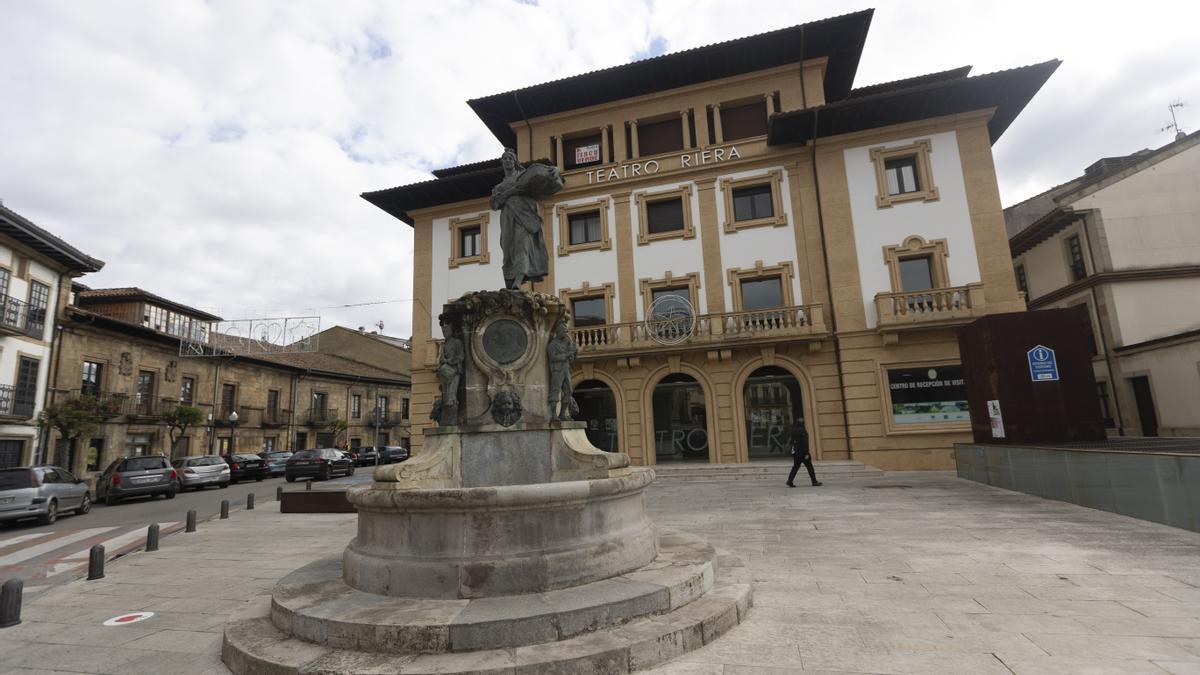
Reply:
x=516, y=197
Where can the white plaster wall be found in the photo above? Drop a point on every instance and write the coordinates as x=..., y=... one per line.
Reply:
x=449, y=284
x=680, y=256
x=1046, y=266
x=1156, y=308
x=771, y=245
x=1152, y=218
x=595, y=267
x=1174, y=379
x=947, y=218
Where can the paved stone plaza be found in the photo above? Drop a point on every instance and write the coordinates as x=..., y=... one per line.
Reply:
x=908, y=573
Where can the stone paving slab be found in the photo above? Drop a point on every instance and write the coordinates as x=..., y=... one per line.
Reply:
x=942, y=576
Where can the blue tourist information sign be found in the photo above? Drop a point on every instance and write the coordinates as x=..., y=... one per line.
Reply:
x=1042, y=365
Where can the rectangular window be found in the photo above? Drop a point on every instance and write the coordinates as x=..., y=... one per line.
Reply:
x=655, y=138
x=25, y=393
x=468, y=242
x=39, y=300
x=584, y=227
x=144, y=394
x=763, y=293
x=589, y=312
x=355, y=406
x=752, y=203
x=916, y=274
x=90, y=383
x=95, y=454
x=1075, y=256
x=582, y=151
x=1022, y=281
x=665, y=215
x=744, y=121
x=228, y=399
x=403, y=408
x=928, y=395
x=1102, y=397
x=187, y=390
x=901, y=174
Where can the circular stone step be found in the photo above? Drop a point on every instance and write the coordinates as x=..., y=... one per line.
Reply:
x=315, y=605
x=253, y=644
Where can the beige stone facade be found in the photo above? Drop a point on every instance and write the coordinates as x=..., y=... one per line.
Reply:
x=837, y=328
x=283, y=401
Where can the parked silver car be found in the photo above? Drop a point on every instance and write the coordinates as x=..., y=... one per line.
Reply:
x=201, y=470
x=41, y=492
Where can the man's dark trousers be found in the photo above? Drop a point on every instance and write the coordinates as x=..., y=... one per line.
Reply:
x=806, y=460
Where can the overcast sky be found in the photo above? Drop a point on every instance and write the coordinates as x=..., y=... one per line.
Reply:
x=213, y=152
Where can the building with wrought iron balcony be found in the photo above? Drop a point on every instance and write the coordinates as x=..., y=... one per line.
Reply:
x=745, y=238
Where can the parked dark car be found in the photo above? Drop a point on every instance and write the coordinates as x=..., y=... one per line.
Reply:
x=364, y=455
x=321, y=463
x=390, y=454
x=276, y=461
x=245, y=466
x=137, y=476
x=41, y=492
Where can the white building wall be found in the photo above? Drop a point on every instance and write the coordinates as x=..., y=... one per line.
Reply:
x=771, y=245
x=1152, y=218
x=679, y=256
x=947, y=218
x=449, y=284
x=1155, y=308
x=595, y=267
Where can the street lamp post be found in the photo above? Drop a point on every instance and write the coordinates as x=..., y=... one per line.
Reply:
x=233, y=420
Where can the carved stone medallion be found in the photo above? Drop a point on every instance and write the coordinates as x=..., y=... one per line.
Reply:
x=505, y=341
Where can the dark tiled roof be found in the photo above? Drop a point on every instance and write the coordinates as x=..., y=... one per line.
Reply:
x=839, y=38
x=1008, y=91
x=23, y=230
x=133, y=293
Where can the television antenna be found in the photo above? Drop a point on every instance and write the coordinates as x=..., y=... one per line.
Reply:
x=1179, y=133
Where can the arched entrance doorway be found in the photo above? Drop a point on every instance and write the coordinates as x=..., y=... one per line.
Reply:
x=772, y=403
x=598, y=407
x=680, y=420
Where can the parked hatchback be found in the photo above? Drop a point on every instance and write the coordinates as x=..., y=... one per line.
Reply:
x=246, y=466
x=137, y=476
x=200, y=471
x=276, y=461
x=41, y=492
x=322, y=464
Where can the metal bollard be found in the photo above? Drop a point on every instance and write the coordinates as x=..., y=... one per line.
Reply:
x=308, y=484
x=224, y=509
x=96, y=562
x=250, y=502
x=152, y=537
x=191, y=522
x=10, y=602
x=279, y=493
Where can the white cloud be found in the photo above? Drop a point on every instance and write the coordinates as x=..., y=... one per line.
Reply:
x=213, y=152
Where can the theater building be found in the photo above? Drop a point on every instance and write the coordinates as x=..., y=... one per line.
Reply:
x=827, y=239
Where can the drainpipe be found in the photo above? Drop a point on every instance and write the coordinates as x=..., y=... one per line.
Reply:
x=833, y=324
x=1112, y=382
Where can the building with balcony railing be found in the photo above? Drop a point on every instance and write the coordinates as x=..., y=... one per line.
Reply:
x=36, y=269
x=745, y=239
x=275, y=401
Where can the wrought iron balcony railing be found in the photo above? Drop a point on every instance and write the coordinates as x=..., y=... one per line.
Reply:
x=18, y=317
x=934, y=306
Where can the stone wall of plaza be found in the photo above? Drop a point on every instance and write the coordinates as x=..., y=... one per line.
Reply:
x=124, y=352
x=957, y=223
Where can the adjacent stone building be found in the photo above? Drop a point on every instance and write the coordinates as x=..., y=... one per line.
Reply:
x=1122, y=243
x=123, y=346
x=746, y=239
x=36, y=269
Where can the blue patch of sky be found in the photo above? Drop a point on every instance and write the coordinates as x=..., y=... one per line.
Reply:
x=225, y=132
x=658, y=47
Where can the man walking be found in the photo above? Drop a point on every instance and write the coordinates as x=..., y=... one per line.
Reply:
x=800, y=454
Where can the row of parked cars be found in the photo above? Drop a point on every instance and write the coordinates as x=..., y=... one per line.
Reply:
x=43, y=492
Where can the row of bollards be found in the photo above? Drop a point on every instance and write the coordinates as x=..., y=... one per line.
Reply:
x=13, y=589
